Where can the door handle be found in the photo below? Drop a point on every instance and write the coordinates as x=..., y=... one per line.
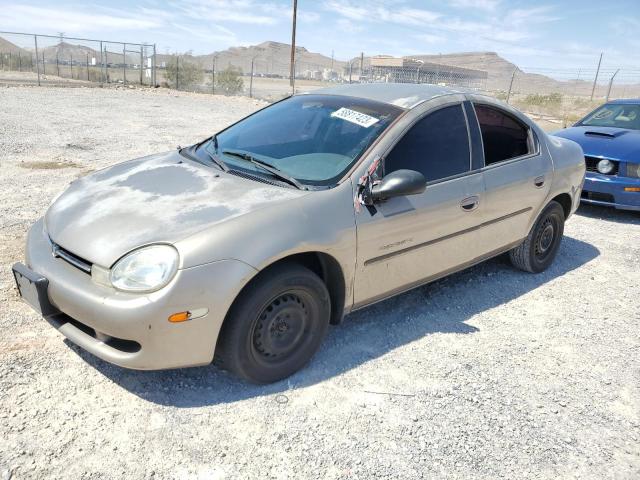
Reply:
x=539, y=181
x=470, y=203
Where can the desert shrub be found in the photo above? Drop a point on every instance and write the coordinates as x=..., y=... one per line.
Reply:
x=552, y=99
x=181, y=72
x=229, y=81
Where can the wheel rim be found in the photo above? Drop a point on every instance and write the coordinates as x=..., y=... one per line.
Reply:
x=545, y=239
x=280, y=328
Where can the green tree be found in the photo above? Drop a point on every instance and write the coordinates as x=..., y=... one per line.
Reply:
x=183, y=72
x=229, y=81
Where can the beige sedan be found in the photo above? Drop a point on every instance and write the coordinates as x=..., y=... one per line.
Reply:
x=246, y=246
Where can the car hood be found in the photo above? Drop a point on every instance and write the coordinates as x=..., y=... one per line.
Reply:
x=614, y=143
x=162, y=198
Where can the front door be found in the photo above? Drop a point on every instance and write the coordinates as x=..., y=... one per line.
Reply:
x=406, y=241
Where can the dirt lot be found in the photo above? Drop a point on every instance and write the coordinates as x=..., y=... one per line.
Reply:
x=491, y=373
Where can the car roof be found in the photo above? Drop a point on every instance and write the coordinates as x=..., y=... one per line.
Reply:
x=626, y=101
x=404, y=95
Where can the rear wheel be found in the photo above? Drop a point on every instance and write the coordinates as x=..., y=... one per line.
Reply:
x=276, y=325
x=540, y=247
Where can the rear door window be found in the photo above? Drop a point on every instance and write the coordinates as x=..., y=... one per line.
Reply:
x=503, y=136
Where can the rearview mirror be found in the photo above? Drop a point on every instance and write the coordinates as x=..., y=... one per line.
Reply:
x=399, y=184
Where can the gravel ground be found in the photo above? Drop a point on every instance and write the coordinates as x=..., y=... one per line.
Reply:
x=490, y=373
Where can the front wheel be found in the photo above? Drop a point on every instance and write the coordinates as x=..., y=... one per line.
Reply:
x=540, y=247
x=276, y=325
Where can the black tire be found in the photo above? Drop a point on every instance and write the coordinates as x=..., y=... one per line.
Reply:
x=276, y=324
x=540, y=247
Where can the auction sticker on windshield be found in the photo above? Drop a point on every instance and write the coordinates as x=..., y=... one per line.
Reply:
x=361, y=119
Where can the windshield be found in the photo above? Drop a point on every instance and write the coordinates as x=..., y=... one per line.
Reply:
x=312, y=138
x=614, y=115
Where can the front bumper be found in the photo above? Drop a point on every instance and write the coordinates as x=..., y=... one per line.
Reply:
x=132, y=330
x=608, y=190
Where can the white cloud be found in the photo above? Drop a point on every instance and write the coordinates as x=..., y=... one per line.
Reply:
x=379, y=12
x=489, y=5
x=39, y=19
x=429, y=38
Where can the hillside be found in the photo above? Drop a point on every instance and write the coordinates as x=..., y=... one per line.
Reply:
x=7, y=47
x=270, y=58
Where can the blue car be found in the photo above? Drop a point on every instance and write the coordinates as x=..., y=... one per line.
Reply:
x=610, y=138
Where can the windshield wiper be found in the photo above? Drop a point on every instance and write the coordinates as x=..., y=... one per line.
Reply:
x=273, y=170
x=189, y=153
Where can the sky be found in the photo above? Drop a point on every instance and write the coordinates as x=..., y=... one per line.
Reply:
x=561, y=34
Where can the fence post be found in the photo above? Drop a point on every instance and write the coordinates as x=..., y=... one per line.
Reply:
x=593, y=89
x=71, y=65
x=44, y=66
x=513, y=75
x=361, y=66
x=35, y=39
x=58, y=62
x=177, y=70
x=251, y=79
x=213, y=75
x=611, y=83
x=350, y=69
x=141, y=62
x=124, y=64
x=19, y=61
x=153, y=66
x=88, y=79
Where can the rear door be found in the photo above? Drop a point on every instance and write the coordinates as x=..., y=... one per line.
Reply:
x=517, y=175
x=408, y=240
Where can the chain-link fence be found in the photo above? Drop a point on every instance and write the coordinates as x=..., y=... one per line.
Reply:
x=60, y=60
x=263, y=71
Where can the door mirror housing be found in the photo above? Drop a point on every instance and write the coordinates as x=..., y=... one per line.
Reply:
x=399, y=184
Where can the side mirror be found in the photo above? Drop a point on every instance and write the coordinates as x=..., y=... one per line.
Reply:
x=399, y=184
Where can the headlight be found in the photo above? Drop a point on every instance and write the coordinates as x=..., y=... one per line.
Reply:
x=633, y=170
x=605, y=166
x=146, y=269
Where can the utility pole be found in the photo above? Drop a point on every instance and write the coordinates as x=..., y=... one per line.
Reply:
x=292, y=74
x=593, y=89
x=611, y=83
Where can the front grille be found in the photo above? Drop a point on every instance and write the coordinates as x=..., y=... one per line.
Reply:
x=598, y=197
x=592, y=165
x=67, y=256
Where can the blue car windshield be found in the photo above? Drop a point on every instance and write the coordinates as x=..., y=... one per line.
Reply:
x=616, y=115
x=313, y=138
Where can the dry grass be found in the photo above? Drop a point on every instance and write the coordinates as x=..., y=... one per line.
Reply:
x=49, y=165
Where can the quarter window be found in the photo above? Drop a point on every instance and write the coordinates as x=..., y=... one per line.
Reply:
x=436, y=146
x=503, y=136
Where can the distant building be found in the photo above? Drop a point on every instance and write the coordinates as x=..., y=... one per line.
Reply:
x=385, y=68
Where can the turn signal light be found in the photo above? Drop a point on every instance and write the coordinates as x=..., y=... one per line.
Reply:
x=632, y=189
x=188, y=315
x=179, y=317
